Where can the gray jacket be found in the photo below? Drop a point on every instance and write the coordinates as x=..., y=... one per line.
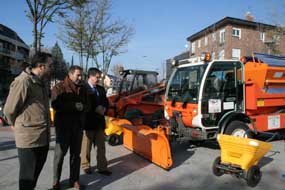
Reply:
x=27, y=109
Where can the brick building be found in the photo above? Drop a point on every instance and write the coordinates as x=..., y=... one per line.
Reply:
x=231, y=38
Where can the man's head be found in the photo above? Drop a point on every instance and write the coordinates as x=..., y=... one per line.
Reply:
x=94, y=76
x=41, y=64
x=75, y=74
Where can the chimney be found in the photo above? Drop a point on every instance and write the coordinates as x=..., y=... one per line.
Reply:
x=248, y=16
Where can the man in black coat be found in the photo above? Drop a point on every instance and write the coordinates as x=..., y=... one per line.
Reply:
x=70, y=101
x=95, y=124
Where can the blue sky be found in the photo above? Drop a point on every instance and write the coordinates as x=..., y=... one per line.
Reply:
x=161, y=26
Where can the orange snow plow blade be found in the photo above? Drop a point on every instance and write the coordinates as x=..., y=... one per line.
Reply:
x=150, y=143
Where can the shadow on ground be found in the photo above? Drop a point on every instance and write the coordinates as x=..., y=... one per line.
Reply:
x=120, y=167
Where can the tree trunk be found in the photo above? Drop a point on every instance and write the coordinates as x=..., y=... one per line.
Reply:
x=36, y=27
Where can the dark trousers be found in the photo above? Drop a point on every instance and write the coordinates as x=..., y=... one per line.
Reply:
x=67, y=139
x=31, y=162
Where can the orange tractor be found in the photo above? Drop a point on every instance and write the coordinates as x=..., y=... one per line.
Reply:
x=226, y=96
x=138, y=90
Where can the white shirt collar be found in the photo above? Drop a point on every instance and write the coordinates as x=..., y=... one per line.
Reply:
x=91, y=85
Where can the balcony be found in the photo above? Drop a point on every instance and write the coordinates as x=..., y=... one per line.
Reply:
x=19, y=55
x=7, y=52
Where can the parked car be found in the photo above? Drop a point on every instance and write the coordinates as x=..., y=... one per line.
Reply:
x=2, y=121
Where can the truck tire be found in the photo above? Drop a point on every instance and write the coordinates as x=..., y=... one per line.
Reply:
x=238, y=129
x=115, y=139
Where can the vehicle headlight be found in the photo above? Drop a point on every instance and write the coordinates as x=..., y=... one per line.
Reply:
x=166, y=116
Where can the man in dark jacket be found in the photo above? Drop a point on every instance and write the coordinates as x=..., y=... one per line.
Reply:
x=27, y=111
x=69, y=100
x=95, y=124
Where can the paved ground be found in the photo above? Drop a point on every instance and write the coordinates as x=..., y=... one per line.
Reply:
x=191, y=170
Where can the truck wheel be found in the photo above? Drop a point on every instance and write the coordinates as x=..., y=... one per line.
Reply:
x=115, y=139
x=253, y=176
x=217, y=172
x=238, y=129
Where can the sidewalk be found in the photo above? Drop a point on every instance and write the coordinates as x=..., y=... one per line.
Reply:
x=191, y=170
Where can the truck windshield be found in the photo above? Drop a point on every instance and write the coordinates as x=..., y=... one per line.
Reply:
x=138, y=82
x=185, y=84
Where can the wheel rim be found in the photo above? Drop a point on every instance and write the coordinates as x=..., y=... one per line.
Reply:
x=239, y=133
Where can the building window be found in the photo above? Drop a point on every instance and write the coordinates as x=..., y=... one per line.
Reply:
x=206, y=41
x=237, y=32
x=222, y=36
x=262, y=36
x=199, y=43
x=213, y=36
x=222, y=54
x=236, y=54
x=193, y=47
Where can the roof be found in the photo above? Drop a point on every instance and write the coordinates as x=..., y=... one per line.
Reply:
x=9, y=33
x=226, y=21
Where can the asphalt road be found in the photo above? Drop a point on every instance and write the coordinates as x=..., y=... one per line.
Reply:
x=191, y=169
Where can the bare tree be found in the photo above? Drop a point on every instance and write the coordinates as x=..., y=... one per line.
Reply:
x=74, y=35
x=273, y=40
x=112, y=43
x=116, y=69
x=79, y=32
x=94, y=35
x=277, y=34
x=42, y=12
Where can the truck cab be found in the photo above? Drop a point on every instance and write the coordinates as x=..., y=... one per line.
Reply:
x=208, y=97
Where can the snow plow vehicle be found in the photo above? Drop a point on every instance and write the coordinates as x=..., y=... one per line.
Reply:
x=208, y=97
x=139, y=96
x=136, y=117
x=239, y=98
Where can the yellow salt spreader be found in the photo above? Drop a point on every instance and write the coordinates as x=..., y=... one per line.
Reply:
x=239, y=157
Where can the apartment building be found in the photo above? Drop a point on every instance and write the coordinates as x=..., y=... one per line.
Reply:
x=231, y=38
x=13, y=51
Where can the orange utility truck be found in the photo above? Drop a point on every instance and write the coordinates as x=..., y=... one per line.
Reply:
x=240, y=98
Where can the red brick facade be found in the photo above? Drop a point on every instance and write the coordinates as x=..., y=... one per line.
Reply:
x=247, y=43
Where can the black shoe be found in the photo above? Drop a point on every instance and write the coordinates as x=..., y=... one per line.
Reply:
x=87, y=171
x=105, y=172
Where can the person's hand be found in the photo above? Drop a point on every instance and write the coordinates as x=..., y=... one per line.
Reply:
x=79, y=106
x=100, y=110
x=12, y=127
